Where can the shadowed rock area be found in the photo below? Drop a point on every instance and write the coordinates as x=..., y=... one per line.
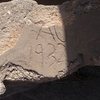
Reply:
x=83, y=84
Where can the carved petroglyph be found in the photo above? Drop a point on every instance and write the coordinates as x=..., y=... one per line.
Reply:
x=39, y=51
x=39, y=33
x=59, y=34
x=56, y=32
x=54, y=52
x=52, y=49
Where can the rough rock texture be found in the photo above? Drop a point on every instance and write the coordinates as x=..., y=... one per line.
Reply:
x=84, y=84
x=40, y=43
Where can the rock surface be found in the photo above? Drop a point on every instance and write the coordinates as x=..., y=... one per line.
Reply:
x=82, y=84
x=40, y=43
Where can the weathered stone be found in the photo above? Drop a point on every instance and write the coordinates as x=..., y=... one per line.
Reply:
x=41, y=43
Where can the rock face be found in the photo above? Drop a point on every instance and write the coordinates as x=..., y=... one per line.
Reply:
x=40, y=43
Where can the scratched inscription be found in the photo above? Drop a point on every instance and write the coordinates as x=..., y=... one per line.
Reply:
x=51, y=46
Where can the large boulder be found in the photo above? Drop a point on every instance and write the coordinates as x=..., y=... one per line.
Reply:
x=41, y=43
